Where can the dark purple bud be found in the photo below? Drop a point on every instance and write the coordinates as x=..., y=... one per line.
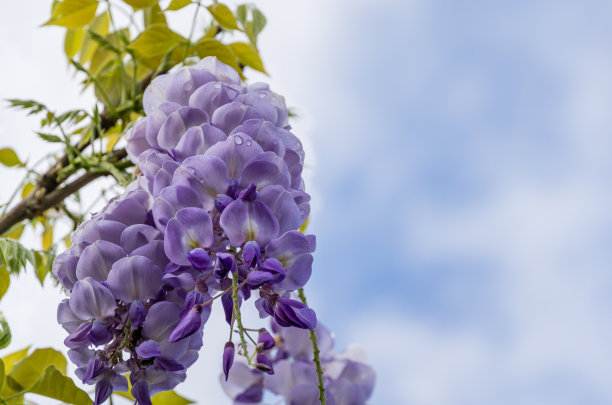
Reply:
x=251, y=253
x=224, y=264
x=199, y=258
x=140, y=391
x=99, y=334
x=148, y=349
x=103, y=390
x=263, y=363
x=168, y=364
x=222, y=201
x=265, y=341
x=188, y=325
x=228, y=307
x=249, y=193
x=95, y=367
x=192, y=298
x=228, y=358
x=288, y=312
x=270, y=271
x=138, y=313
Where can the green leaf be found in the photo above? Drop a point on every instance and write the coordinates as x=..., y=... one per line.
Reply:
x=248, y=56
x=178, y=4
x=14, y=256
x=1, y=374
x=154, y=15
x=99, y=25
x=10, y=359
x=138, y=4
x=49, y=137
x=5, y=333
x=241, y=13
x=73, y=13
x=5, y=281
x=9, y=158
x=72, y=41
x=212, y=47
x=156, y=40
x=259, y=21
x=223, y=15
x=28, y=371
x=52, y=384
x=27, y=189
x=42, y=267
x=163, y=398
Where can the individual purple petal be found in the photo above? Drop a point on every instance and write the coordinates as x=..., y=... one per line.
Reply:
x=270, y=271
x=265, y=133
x=103, y=390
x=199, y=258
x=135, y=278
x=249, y=193
x=192, y=298
x=228, y=307
x=191, y=228
x=262, y=90
x=284, y=207
x=168, y=364
x=177, y=124
x=244, y=221
x=221, y=71
x=188, y=325
x=222, y=201
x=94, y=230
x=197, y=140
x=136, y=139
x=213, y=95
x=265, y=169
x=151, y=161
x=153, y=251
x=137, y=314
x=263, y=363
x=163, y=177
x=99, y=333
x=170, y=200
x=128, y=211
x=207, y=174
x=95, y=367
x=252, y=395
x=65, y=264
x=96, y=260
x=251, y=253
x=228, y=358
x=235, y=151
x=292, y=249
x=140, y=392
x=288, y=312
x=257, y=108
x=65, y=317
x=148, y=349
x=91, y=299
x=265, y=341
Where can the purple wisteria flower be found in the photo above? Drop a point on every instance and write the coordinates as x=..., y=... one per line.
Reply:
x=215, y=214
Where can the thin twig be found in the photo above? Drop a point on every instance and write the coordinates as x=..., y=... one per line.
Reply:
x=315, y=349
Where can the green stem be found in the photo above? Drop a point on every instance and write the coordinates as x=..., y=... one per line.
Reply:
x=315, y=349
x=238, y=318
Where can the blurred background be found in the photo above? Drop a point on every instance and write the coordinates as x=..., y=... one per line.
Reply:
x=459, y=158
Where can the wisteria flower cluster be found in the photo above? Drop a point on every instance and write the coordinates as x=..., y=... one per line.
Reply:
x=215, y=215
x=291, y=373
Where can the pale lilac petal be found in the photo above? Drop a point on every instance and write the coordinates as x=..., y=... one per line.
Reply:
x=177, y=124
x=244, y=221
x=235, y=151
x=135, y=278
x=97, y=259
x=91, y=299
x=191, y=228
x=197, y=140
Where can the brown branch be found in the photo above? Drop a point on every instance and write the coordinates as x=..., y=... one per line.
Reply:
x=41, y=198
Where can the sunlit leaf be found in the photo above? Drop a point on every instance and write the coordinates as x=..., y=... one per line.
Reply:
x=15, y=231
x=9, y=158
x=42, y=266
x=156, y=40
x=73, y=41
x=5, y=281
x=5, y=333
x=248, y=56
x=27, y=189
x=212, y=47
x=241, y=13
x=52, y=384
x=138, y=4
x=163, y=398
x=73, y=13
x=178, y=4
x=154, y=15
x=259, y=21
x=223, y=15
x=27, y=371
x=99, y=25
x=101, y=59
x=2, y=373
x=10, y=359
x=67, y=241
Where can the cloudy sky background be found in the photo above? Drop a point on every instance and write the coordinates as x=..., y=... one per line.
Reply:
x=459, y=161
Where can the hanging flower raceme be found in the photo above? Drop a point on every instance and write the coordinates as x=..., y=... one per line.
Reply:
x=215, y=215
x=122, y=308
x=289, y=371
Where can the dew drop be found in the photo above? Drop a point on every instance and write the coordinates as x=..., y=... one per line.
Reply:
x=237, y=139
x=262, y=95
x=248, y=143
x=217, y=86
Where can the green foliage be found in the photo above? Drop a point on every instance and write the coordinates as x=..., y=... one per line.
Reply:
x=252, y=26
x=138, y=4
x=9, y=158
x=73, y=13
x=248, y=56
x=178, y=4
x=156, y=40
x=5, y=336
x=42, y=372
x=162, y=398
x=14, y=257
x=223, y=15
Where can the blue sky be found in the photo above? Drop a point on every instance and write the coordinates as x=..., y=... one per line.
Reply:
x=459, y=162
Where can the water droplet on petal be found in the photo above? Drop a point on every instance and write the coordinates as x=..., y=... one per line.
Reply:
x=262, y=95
x=237, y=139
x=248, y=143
x=217, y=86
